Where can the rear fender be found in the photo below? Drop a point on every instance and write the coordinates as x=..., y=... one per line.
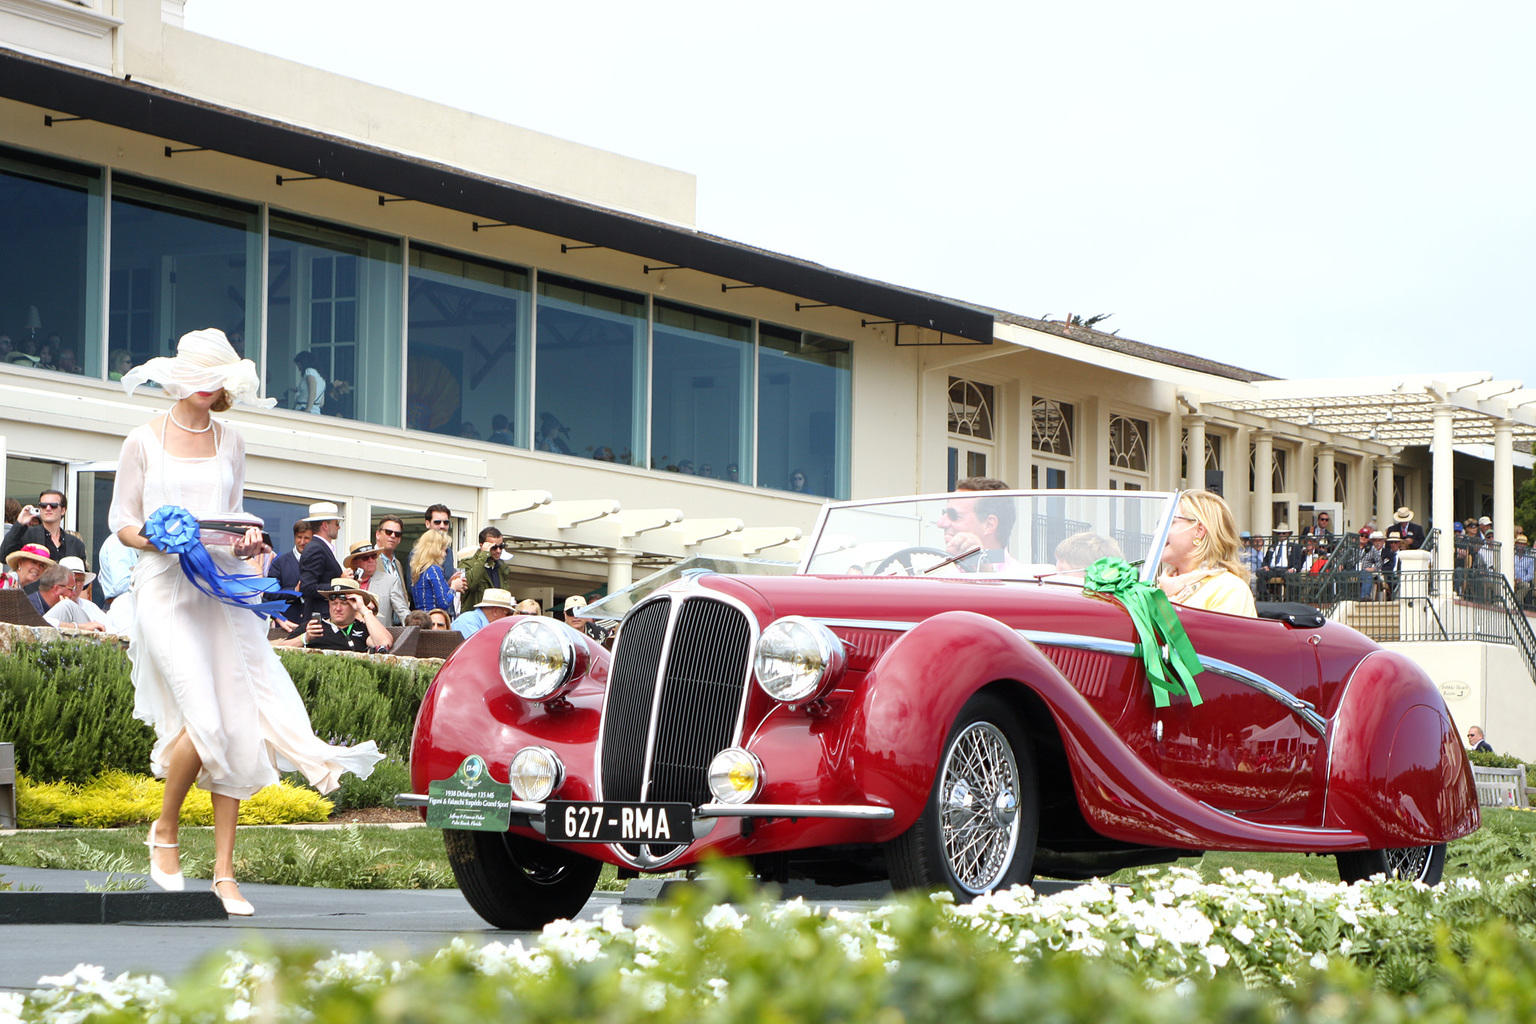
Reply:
x=1396, y=767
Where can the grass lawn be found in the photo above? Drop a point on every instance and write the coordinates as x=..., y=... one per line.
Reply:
x=374, y=857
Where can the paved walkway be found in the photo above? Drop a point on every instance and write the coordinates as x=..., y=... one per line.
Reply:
x=394, y=922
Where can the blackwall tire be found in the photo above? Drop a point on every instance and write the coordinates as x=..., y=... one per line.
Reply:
x=1414, y=864
x=978, y=828
x=517, y=883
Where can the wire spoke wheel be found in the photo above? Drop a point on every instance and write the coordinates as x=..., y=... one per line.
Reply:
x=979, y=820
x=1409, y=864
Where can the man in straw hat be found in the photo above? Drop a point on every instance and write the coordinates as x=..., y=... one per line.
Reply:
x=495, y=603
x=353, y=625
x=362, y=564
x=1412, y=533
x=319, y=564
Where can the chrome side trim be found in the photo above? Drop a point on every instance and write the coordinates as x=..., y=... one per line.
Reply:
x=1100, y=644
x=1279, y=828
x=410, y=800
x=862, y=812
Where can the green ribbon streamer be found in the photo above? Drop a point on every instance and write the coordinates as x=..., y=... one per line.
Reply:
x=1157, y=625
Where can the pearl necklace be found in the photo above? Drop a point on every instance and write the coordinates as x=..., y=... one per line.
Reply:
x=171, y=412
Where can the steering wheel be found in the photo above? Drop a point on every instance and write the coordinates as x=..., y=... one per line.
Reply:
x=904, y=556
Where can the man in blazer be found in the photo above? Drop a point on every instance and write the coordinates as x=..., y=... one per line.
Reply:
x=1411, y=532
x=1281, y=560
x=318, y=565
x=285, y=569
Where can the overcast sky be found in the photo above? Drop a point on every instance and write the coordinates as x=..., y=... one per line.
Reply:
x=1305, y=188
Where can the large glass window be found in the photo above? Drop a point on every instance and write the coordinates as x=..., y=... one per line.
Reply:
x=333, y=321
x=50, y=264
x=180, y=262
x=804, y=394
x=590, y=396
x=701, y=392
x=467, y=364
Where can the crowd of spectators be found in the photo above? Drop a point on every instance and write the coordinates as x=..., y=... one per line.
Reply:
x=338, y=602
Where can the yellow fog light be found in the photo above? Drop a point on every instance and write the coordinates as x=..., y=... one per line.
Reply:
x=735, y=776
x=535, y=773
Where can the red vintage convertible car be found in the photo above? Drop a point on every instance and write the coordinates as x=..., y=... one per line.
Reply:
x=887, y=710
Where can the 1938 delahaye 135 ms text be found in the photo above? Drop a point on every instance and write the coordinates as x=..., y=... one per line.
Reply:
x=887, y=711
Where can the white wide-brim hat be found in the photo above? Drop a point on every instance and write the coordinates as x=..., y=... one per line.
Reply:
x=322, y=510
x=496, y=598
x=204, y=361
x=74, y=564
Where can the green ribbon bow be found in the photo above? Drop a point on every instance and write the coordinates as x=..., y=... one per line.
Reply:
x=1157, y=625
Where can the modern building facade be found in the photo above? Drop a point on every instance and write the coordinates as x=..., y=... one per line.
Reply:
x=536, y=334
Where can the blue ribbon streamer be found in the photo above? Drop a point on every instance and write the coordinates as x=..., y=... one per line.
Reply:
x=175, y=531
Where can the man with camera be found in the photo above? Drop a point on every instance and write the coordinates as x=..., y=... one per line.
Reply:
x=43, y=524
x=353, y=626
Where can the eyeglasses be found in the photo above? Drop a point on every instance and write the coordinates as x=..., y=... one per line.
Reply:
x=50, y=504
x=498, y=547
x=441, y=522
x=389, y=533
x=952, y=514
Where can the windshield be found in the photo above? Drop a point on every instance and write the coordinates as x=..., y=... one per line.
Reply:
x=1017, y=534
x=616, y=604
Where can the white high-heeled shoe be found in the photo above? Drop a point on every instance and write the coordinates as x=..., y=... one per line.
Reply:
x=233, y=907
x=164, y=879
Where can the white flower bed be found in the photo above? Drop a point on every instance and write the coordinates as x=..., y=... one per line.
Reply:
x=1168, y=927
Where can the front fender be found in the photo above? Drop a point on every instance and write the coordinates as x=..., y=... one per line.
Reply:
x=1396, y=767
x=910, y=700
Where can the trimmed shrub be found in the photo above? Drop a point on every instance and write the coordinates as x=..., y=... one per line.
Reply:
x=68, y=706
x=390, y=776
x=356, y=699
x=117, y=798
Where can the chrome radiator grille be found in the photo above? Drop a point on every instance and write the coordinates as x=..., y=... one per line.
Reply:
x=700, y=690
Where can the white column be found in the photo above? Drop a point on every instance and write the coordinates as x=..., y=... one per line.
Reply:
x=1504, y=496
x=1195, y=461
x=1386, y=467
x=1442, y=484
x=1324, y=491
x=621, y=570
x=1263, y=482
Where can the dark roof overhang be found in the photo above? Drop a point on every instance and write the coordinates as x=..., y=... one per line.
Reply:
x=157, y=112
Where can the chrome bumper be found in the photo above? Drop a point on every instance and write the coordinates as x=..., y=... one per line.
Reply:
x=863, y=812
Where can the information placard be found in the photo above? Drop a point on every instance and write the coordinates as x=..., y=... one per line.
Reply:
x=471, y=799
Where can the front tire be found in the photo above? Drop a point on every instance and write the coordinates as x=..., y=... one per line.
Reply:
x=978, y=828
x=1413, y=864
x=517, y=883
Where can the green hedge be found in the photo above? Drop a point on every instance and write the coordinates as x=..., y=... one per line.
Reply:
x=68, y=706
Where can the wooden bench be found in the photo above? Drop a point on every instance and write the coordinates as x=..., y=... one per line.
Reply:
x=1501, y=787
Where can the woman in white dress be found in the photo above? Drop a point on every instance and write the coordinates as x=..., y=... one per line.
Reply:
x=225, y=713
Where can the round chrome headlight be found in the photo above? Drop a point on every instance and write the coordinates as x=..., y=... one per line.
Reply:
x=535, y=773
x=798, y=659
x=538, y=658
x=735, y=776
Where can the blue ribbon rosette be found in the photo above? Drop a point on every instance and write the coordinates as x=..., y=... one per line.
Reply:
x=176, y=531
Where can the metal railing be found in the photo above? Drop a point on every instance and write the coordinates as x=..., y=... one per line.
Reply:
x=1469, y=603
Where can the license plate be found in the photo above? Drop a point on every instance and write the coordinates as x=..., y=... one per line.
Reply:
x=617, y=822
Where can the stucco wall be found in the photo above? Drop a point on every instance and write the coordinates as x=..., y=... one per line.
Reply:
x=1486, y=685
